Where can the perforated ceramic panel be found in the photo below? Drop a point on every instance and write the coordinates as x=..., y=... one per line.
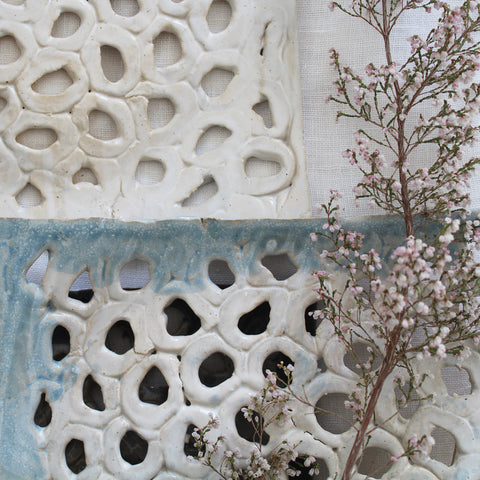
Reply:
x=105, y=379
x=143, y=109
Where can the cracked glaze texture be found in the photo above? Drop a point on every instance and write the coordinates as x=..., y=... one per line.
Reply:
x=180, y=109
x=93, y=403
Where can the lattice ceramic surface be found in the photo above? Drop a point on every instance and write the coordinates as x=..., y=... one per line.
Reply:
x=107, y=381
x=150, y=109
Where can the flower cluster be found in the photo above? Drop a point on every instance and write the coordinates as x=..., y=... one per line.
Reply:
x=423, y=302
x=428, y=288
x=416, y=447
x=267, y=407
x=271, y=401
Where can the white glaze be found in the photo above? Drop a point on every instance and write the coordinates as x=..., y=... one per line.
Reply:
x=254, y=25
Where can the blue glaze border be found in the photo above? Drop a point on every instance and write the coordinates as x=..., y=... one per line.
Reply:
x=178, y=250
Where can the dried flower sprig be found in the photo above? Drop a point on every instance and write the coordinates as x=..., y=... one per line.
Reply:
x=269, y=406
x=392, y=99
x=427, y=306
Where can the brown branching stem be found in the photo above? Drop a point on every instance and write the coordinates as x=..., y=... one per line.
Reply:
x=401, y=153
x=390, y=359
x=388, y=364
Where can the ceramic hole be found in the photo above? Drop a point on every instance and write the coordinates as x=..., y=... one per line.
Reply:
x=219, y=16
x=255, y=322
x=321, y=365
x=134, y=275
x=120, y=338
x=407, y=408
x=266, y=44
x=418, y=337
x=53, y=83
x=125, y=8
x=299, y=465
x=3, y=103
x=29, y=197
x=186, y=400
x=60, y=343
x=101, y=125
x=204, y=192
x=9, y=50
x=181, y=319
x=92, y=394
x=81, y=289
x=149, y=172
x=360, y=355
x=445, y=446
x=37, y=269
x=312, y=323
x=153, y=388
x=65, y=25
x=160, y=112
x=189, y=448
x=331, y=413
x=75, y=456
x=220, y=274
x=457, y=380
x=261, y=167
x=263, y=109
x=250, y=430
x=167, y=50
x=216, y=81
x=43, y=413
x=215, y=369
x=375, y=462
x=280, y=266
x=272, y=363
x=85, y=175
x=37, y=138
x=133, y=448
x=112, y=63
x=211, y=139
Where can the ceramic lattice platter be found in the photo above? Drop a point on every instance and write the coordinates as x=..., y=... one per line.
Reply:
x=150, y=110
x=101, y=379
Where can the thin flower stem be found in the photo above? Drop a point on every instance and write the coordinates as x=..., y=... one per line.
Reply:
x=388, y=364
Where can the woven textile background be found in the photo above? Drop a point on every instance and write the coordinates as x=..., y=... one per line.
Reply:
x=325, y=139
